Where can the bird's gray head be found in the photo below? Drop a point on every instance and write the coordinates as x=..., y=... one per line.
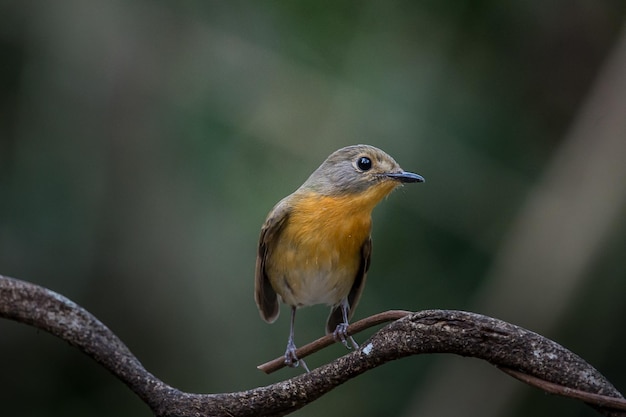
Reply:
x=356, y=169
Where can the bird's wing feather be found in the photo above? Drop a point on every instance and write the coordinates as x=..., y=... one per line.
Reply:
x=264, y=295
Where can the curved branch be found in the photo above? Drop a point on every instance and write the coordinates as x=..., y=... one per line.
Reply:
x=431, y=331
x=325, y=341
x=47, y=310
x=606, y=402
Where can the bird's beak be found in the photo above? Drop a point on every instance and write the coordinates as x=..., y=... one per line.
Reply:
x=405, y=176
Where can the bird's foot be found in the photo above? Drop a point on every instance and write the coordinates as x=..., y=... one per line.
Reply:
x=291, y=359
x=341, y=335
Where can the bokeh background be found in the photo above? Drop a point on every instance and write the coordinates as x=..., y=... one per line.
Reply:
x=142, y=144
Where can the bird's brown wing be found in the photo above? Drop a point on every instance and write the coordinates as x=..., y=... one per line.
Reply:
x=264, y=295
x=336, y=315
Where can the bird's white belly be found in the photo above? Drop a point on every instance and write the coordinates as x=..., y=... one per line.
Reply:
x=317, y=284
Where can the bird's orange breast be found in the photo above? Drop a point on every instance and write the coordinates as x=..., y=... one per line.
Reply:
x=318, y=253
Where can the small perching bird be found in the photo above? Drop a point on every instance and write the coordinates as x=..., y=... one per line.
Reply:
x=315, y=244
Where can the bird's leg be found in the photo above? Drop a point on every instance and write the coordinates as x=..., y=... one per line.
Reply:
x=290, y=354
x=341, y=332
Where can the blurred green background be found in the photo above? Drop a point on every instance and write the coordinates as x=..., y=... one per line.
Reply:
x=142, y=144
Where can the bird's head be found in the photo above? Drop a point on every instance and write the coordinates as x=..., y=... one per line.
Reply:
x=358, y=171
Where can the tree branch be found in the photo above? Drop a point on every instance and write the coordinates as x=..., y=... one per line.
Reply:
x=325, y=341
x=520, y=352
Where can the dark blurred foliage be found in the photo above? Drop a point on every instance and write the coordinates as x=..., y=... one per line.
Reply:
x=142, y=144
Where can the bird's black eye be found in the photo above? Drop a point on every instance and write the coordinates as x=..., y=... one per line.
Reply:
x=364, y=163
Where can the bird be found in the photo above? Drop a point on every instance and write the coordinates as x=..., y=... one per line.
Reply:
x=315, y=245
